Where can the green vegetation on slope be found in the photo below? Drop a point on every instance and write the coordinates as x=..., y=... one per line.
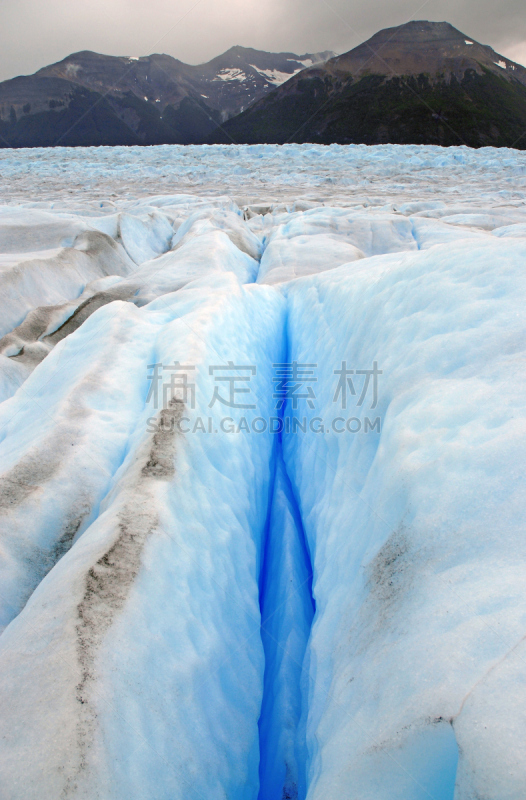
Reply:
x=480, y=110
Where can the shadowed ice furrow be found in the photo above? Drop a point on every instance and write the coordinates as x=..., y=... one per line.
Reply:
x=286, y=617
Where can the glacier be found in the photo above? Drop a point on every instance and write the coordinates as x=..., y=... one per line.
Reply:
x=262, y=464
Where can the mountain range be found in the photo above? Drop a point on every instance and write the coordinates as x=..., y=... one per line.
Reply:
x=419, y=83
x=94, y=99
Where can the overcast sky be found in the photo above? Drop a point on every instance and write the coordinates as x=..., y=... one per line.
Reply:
x=34, y=33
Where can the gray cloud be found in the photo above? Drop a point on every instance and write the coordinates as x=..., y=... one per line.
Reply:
x=36, y=33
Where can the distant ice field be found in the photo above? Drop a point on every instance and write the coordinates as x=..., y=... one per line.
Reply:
x=262, y=458
x=335, y=174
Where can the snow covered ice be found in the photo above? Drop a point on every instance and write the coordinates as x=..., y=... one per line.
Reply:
x=262, y=416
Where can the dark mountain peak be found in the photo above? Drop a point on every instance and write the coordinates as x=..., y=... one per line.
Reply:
x=422, y=30
x=84, y=59
x=237, y=51
x=160, y=58
x=82, y=55
x=435, y=49
x=288, y=63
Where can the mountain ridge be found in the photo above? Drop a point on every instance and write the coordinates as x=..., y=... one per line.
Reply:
x=419, y=83
x=152, y=99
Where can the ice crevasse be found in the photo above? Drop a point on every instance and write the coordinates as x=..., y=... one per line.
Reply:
x=267, y=593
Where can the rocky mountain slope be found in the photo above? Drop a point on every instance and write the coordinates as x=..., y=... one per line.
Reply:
x=420, y=83
x=91, y=99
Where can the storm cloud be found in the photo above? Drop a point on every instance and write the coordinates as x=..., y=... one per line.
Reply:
x=36, y=33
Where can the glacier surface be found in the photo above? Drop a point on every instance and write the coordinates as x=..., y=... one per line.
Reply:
x=262, y=462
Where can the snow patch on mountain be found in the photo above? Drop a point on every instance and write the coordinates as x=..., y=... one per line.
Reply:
x=230, y=75
x=275, y=76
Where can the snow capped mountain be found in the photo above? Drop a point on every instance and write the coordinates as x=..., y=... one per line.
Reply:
x=262, y=474
x=89, y=98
